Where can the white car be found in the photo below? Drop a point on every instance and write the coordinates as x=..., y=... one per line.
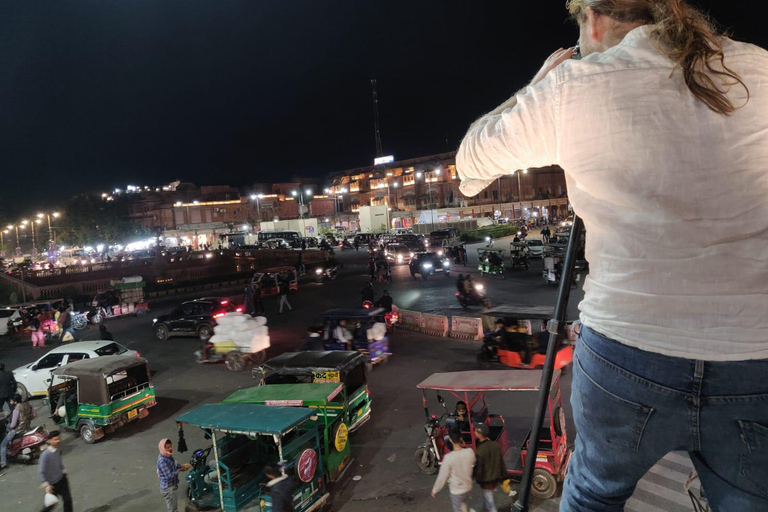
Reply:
x=33, y=379
x=536, y=247
x=8, y=315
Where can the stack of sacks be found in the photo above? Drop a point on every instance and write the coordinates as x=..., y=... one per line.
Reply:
x=241, y=332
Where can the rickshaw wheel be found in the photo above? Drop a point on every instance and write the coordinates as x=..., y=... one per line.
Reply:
x=259, y=357
x=234, y=361
x=86, y=432
x=544, y=485
x=426, y=461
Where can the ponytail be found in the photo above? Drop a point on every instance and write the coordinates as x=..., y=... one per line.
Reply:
x=683, y=33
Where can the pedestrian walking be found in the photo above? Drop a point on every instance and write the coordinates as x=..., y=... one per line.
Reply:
x=300, y=267
x=104, y=334
x=7, y=387
x=258, y=300
x=65, y=323
x=282, y=288
x=372, y=268
x=168, y=473
x=489, y=466
x=36, y=330
x=249, y=299
x=280, y=488
x=456, y=469
x=357, y=244
x=463, y=255
x=51, y=469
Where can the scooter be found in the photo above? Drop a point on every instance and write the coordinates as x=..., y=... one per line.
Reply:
x=322, y=273
x=26, y=447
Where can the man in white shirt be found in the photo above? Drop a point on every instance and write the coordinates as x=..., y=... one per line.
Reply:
x=456, y=469
x=662, y=130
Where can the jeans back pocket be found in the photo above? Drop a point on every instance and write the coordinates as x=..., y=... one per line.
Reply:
x=754, y=463
x=606, y=416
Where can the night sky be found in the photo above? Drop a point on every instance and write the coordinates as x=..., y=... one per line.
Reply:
x=100, y=94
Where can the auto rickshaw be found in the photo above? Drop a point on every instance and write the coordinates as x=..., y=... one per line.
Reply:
x=491, y=261
x=345, y=367
x=470, y=387
x=519, y=255
x=246, y=437
x=367, y=330
x=99, y=395
x=268, y=279
x=526, y=334
x=328, y=399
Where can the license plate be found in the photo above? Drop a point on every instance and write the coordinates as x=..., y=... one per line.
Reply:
x=132, y=414
x=326, y=377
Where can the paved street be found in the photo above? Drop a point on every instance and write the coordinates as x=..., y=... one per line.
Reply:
x=118, y=473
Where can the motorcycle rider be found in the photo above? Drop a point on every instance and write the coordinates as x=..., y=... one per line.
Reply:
x=367, y=293
x=21, y=418
x=385, y=301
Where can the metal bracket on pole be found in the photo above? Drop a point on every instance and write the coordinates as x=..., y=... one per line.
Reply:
x=553, y=326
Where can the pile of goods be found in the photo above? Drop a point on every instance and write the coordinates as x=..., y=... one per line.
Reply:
x=236, y=331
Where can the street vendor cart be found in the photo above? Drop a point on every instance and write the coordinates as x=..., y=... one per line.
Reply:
x=126, y=297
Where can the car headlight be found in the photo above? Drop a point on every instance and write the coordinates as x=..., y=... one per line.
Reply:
x=446, y=264
x=478, y=287
x=410, y=254
x=426, y=265
x=399, y=257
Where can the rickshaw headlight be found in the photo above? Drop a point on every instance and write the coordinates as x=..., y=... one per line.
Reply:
x=318, y=271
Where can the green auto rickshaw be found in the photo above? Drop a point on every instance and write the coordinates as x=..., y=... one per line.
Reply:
x=327, y=399
x=491, y=261
x=342, y=366
x=99, y=395
x=228, y=475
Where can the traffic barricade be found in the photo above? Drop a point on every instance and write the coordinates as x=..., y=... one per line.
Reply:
x=466, y=328
x=436, y=325
x=410, y=320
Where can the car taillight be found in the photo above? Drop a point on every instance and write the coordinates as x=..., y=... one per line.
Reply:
x=218, y=315
x=239, y=309
x=224, y=302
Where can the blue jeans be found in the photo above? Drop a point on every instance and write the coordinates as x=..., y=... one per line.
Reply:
x=490, y=505
x=7, y=439
x=632, y=407
x=70, y=330
x=459, y=502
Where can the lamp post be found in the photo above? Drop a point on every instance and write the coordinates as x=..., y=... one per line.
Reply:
x=256, y=197
x=51, y=232
x=300, y=198
x=2, y=242
x=519, y=193
x=34, y=239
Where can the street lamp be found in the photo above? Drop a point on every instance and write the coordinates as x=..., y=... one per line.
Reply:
x=34, y=240
x=256, y=197
x=519, y=193
x=2, y=242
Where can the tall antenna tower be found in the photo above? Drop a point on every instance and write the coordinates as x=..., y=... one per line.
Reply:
x=379, y=150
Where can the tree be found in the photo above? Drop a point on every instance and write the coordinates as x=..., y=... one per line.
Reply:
x=88, y=220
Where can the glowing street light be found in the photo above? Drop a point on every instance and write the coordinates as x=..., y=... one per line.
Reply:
x=256, y=197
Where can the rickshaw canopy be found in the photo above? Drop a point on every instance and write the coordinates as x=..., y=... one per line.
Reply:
x=91, y=375
x=247, y=418
x=522, y=311
x=301, y=363
x=489, y=380
x=353, y=313
x=306, y=394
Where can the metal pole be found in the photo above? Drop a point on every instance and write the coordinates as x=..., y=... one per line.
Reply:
x=258, y=210
x=519, y=194
x=34, y=244
x=554, y=328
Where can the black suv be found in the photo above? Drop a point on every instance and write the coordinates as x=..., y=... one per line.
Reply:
x=428, y=264
x=194, y=318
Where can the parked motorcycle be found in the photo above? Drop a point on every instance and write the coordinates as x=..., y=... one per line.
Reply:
x=26, y=447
